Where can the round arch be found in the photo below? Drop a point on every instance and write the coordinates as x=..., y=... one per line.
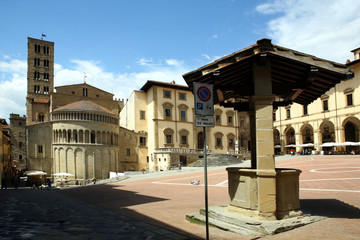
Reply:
x=351, y=126
x=327, y=130
x=307, y=132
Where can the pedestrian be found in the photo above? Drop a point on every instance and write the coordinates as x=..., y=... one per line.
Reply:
x=3, y=179
x=16, y=181
x=49, y=184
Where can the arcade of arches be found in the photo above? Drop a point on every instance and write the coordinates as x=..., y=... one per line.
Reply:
x=348, y=131
x=86, y=162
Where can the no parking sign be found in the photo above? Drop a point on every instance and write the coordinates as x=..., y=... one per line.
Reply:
x=204, y=101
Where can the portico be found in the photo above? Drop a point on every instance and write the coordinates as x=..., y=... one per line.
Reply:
x=259, y=79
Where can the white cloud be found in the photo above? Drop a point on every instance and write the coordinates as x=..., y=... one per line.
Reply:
x=120, y=84
x=12, y=87
x=13, y=83
x=328, y=29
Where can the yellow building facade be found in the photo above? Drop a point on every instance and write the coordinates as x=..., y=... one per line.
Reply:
x=163, y=114
x=330, y=124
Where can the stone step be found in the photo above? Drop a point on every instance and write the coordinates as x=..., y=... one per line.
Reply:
x=217, y=160
x=219, y=217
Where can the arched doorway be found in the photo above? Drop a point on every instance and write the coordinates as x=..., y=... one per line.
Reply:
x=307, y=133
x=350, y=132
x=290, y=140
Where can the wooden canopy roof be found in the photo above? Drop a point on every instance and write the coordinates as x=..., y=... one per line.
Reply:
x=295, y=76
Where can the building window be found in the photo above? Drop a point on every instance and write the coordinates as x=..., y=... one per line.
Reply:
x=37, y=75
x=325, y=105
x=305, y=109
x=183, y=115
x=231, y=143
x=182, y=96
x=183, y=140
x=20, y=157
x=36, y=89
x=167, y=113
x=46, y=63
x=288, y=114
x=20, y=144
x=41, y=117
x=167, y=94
x=40, y=148
x=128, y=152
x=217, y=119
x=85, y=92
x=168, y=139
x=46, y=50
x=230, y=119
x=37, y=62
x=274, y=116
x=218, y=142
x=349, y=100
x=46, y=77
x=142, y=114
x=37, y=48
x=46, y=90
x=142, y=141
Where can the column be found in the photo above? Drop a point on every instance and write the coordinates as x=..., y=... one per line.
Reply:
x=262, y=140
x=261, y=128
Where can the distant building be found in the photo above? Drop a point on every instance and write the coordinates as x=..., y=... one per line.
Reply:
x=18, y=141
x=5, y=148
x=162, y=114
x=327, y=123
x=73, y=130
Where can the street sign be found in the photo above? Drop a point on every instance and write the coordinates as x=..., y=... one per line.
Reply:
x=204, y=100
x=204, y=121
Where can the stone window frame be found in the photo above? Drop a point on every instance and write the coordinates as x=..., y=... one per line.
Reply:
x=325, y=102
x=167, y=92
x=218, y=140
x=305, y=110
x=183, y=107
x=231, y=136
x=169, y=106
x=168, y=132
x=218, y=112
x=142, y=141
x=184, y=132
x=288, y=112
x=184, y=94
x=142, y=115
x=230, y=114
x=349, y=92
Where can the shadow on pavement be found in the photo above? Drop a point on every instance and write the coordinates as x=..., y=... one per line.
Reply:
x=331, y=208
x=115, y=199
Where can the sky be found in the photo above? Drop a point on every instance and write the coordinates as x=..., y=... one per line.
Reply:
x=121, y=44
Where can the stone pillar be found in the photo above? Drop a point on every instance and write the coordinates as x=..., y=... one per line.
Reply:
x=262, y=140
x=317, y=139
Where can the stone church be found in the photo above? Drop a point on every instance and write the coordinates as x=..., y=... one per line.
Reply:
x=73, y=128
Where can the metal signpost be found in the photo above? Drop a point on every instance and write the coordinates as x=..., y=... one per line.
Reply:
x=204, y=117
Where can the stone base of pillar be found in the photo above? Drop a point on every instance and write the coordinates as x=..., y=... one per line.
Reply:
x=264, y=196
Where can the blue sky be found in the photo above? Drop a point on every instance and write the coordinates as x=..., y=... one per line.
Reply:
x=121, y=44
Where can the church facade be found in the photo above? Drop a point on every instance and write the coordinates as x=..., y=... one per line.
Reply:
x=73, y=128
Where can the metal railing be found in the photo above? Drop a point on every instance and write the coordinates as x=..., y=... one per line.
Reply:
x=180, y=150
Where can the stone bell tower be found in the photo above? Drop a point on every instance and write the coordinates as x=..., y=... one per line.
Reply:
x=40, y=80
